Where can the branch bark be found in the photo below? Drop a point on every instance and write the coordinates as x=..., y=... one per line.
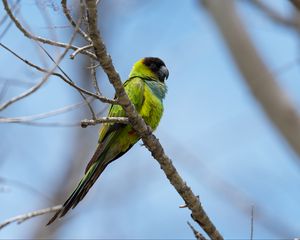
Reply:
x=150, y=141
x=257, y=76
x=92, y=122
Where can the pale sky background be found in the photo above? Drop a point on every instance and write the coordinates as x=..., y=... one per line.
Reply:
x=213, y=129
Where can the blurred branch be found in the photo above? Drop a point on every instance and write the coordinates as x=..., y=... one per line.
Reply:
x=42, y=115
x=296, y=4
x=15, y=8
x=40, y=39
x=21, y=218
x=228, y=191
x=16, y=82
x=276, y=16
x=150, y=141
x=22, y=185
x=12, y=9
x=47, y=18
x=261, y=82
x=25, y=94
x=252, y=223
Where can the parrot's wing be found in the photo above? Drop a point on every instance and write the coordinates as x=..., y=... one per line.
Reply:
x=134, y=88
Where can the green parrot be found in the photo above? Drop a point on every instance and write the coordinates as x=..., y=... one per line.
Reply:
x=146, y=89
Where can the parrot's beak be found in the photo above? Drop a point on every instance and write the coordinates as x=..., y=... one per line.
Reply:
x=164, y=72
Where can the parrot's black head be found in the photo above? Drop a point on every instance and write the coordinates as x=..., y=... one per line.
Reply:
x=157, y=66
x=150, y=68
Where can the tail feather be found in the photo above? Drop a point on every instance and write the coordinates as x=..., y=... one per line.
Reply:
x=81, y=190
x=94, y=169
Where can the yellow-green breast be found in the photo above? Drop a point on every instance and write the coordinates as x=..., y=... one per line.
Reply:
x=152, y=108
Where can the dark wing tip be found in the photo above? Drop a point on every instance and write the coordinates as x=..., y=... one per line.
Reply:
x=54, y=217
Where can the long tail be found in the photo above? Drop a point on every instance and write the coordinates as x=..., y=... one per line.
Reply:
x=82, y=188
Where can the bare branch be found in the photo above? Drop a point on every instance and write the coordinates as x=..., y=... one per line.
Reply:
x=72, y=56
x=197, y=235
x=66, y=75
x=24, y=94
x=42, y=115
x=40, y=39
x=150, y=141
x=50, y=124
x=275, y=16
x=45, y=78
x=72, y=84
x=71, y=21
x=94, y=77
x=21, y=218
x=261, y=82
x=86, y=122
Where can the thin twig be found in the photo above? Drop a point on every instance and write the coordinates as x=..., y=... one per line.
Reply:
x=42, y=115
x=21, y=218
x=24, y=94
x=44, y=79
x=101, y=98
x=50, y=124
x=276, y=16
x=12, y=9
x=150, y=141
x=47, y=18
x=197, y=234
x=3, y=90
x=40, y=39
x=66, y=75
x=15, y=8
x=6, y=29
x=71, y=21
x=16, y=82
x=94, y=78
x=78, y=50
x=285, y=67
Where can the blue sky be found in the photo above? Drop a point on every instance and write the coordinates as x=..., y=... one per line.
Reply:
x=216, y=133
